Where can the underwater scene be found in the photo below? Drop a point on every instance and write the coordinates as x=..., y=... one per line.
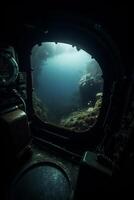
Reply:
x=67, y=86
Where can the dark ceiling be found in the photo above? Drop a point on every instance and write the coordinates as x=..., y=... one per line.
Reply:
x=111, y=15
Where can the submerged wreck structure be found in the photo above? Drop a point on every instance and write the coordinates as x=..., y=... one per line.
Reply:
x=62, y=135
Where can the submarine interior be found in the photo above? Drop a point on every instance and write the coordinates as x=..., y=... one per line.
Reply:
x=66, y=103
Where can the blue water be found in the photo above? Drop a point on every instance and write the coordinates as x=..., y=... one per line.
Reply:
x=57, y=79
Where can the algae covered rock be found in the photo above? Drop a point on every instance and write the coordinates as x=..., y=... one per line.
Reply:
x=39, y=108
x=98, y=102
x=83, y=119
x=89, y=86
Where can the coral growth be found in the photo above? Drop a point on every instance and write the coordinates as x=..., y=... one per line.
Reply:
x=39, y=108
x=88, y=86
x=83, y=119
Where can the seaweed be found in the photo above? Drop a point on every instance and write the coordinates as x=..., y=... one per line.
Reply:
x=83, y=119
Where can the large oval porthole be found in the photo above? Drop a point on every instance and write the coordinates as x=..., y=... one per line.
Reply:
x=68, y=85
